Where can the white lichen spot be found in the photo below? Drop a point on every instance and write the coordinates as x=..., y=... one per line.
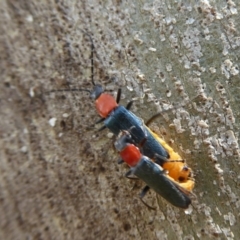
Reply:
x=192, y=44
x=174, y=21
x=110, y=135
x=25, y=131
x=138, y=39
x=207, y=211
x=166, y=106
x=228, y=64
x=29, y=18
x=52, y=122
x=230, y=119
x=225, y=72
x=182, y=114
x=226, y=45
x=188, y=8
x=197, y=73
x=217, y=167
x=201, y=194
x=169, y=93
x=65, y=115
x=212, y=156
x=23, y=149
x=160, y=234
x=141, y=77
x=234, y=70
x=47, y=64
x=206, y=31
x=216, y=230
x=188, y=151
x=31, y=92
x=94, y=136
x=151, y=97
x=203, y=124
x=162, y=37
x=190, y=21
x=187, y=64
x=179, y=86
x=177, y=125
x=173, y=39
x=205, y=5
x=212, y=70
x=207, y=37
x=231, y=139
x=199, y=86
x=147, y=90
x=130, y=88
x=207, y=141
x=232, y=7
x=215, y=143
x=160, y=75
x=231, y=218
x=189, y=210
x=233, y=197
x=220, y=88
x=218, y=211
x=219, y=16
x=152, y=49
x=168, y=20
x=169, y=67
x=228, y=233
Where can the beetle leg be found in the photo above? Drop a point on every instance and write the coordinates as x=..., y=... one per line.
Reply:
x=142, y=194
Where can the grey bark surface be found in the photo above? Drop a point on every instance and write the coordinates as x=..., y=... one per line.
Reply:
x=59, y=178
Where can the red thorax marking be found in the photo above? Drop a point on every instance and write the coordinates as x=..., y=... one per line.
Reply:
x=131, y=155
x=105, y=104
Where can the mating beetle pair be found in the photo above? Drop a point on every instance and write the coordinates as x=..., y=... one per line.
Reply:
x=151, y=173
x=169, y=175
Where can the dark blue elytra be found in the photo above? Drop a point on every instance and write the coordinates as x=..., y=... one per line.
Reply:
x=156, y=179
x=122, y=119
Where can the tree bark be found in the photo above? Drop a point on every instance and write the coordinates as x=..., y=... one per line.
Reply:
x=59, y=176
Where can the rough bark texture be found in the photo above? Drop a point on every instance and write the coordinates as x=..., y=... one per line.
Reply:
x=59, y=179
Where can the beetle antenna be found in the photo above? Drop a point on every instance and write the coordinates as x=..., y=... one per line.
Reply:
x=71, y=90
x=91, y=56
